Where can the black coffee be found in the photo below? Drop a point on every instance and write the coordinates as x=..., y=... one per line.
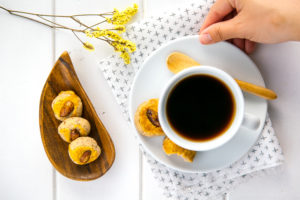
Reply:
x=200, y=108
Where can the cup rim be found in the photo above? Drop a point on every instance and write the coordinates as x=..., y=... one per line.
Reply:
x=220, y=140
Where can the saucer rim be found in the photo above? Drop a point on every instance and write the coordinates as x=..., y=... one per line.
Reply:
x=138, y=135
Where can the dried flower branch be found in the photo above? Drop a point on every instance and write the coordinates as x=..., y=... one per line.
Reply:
x=112, y=35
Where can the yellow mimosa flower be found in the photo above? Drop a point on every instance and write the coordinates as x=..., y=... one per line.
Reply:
x=120, y=28
x=88, y=46
x=121, y=18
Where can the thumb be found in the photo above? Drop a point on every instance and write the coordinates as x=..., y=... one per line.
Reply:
x=220, y=31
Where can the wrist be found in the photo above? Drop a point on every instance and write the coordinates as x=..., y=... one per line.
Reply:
x=293, y=22
x=295, y=30
x=285, y=21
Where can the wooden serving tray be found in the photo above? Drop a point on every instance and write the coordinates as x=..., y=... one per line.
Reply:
x=63, y=77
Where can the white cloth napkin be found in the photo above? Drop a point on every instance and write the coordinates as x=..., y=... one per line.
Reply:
x=149, y=34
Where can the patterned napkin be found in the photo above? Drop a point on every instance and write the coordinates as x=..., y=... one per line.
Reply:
x=150, y=34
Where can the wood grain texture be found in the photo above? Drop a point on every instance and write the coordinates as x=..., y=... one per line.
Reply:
x=177, y=62
x=63, y=77
x=257, y=90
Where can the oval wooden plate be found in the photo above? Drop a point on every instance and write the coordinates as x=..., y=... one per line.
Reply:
x=63, y=77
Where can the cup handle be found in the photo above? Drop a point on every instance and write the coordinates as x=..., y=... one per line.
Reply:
x=250, y=121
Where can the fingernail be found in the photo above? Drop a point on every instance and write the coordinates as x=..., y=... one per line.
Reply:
x=205, y=38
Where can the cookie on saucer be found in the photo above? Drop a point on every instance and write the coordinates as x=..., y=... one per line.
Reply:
x=146, y=119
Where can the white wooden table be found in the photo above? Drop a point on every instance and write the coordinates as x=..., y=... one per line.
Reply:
x=28, y=52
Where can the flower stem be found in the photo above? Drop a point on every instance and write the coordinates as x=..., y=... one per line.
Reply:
x=96, y=24
x=48, y=15
x=80, y=23
x=118, y=43
x=77, y=37
x=52, y=24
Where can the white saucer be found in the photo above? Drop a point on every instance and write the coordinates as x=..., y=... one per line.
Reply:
x=154, y=74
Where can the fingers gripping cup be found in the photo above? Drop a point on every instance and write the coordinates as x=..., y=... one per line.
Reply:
x=202, y=108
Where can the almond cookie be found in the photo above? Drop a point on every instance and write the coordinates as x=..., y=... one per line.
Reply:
x=73, y=127
x=84, y=150
x=146, y=119
x=66, y=104
x=170, y=147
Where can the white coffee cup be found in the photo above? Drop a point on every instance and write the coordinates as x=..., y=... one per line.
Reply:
x=239, y=117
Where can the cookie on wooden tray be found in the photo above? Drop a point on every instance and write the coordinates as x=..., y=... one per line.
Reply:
x=66, y=104
x=73, y=127
x=170, y=147
x=84, y=150
x=146, y=119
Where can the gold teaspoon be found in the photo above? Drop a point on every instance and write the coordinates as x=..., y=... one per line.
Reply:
x=177, y=61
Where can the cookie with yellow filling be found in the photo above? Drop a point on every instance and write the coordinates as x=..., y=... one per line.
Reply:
x=84, y=150
x=170, y=147
x=146, y=119
x=73, y=127
x=66, y=104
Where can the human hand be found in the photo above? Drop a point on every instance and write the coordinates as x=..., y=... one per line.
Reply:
x=249, y=21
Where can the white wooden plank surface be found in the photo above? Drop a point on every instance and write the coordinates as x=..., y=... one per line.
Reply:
x=279, y=65
x=26, y=59
x=122, y=180
x=27, y=52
